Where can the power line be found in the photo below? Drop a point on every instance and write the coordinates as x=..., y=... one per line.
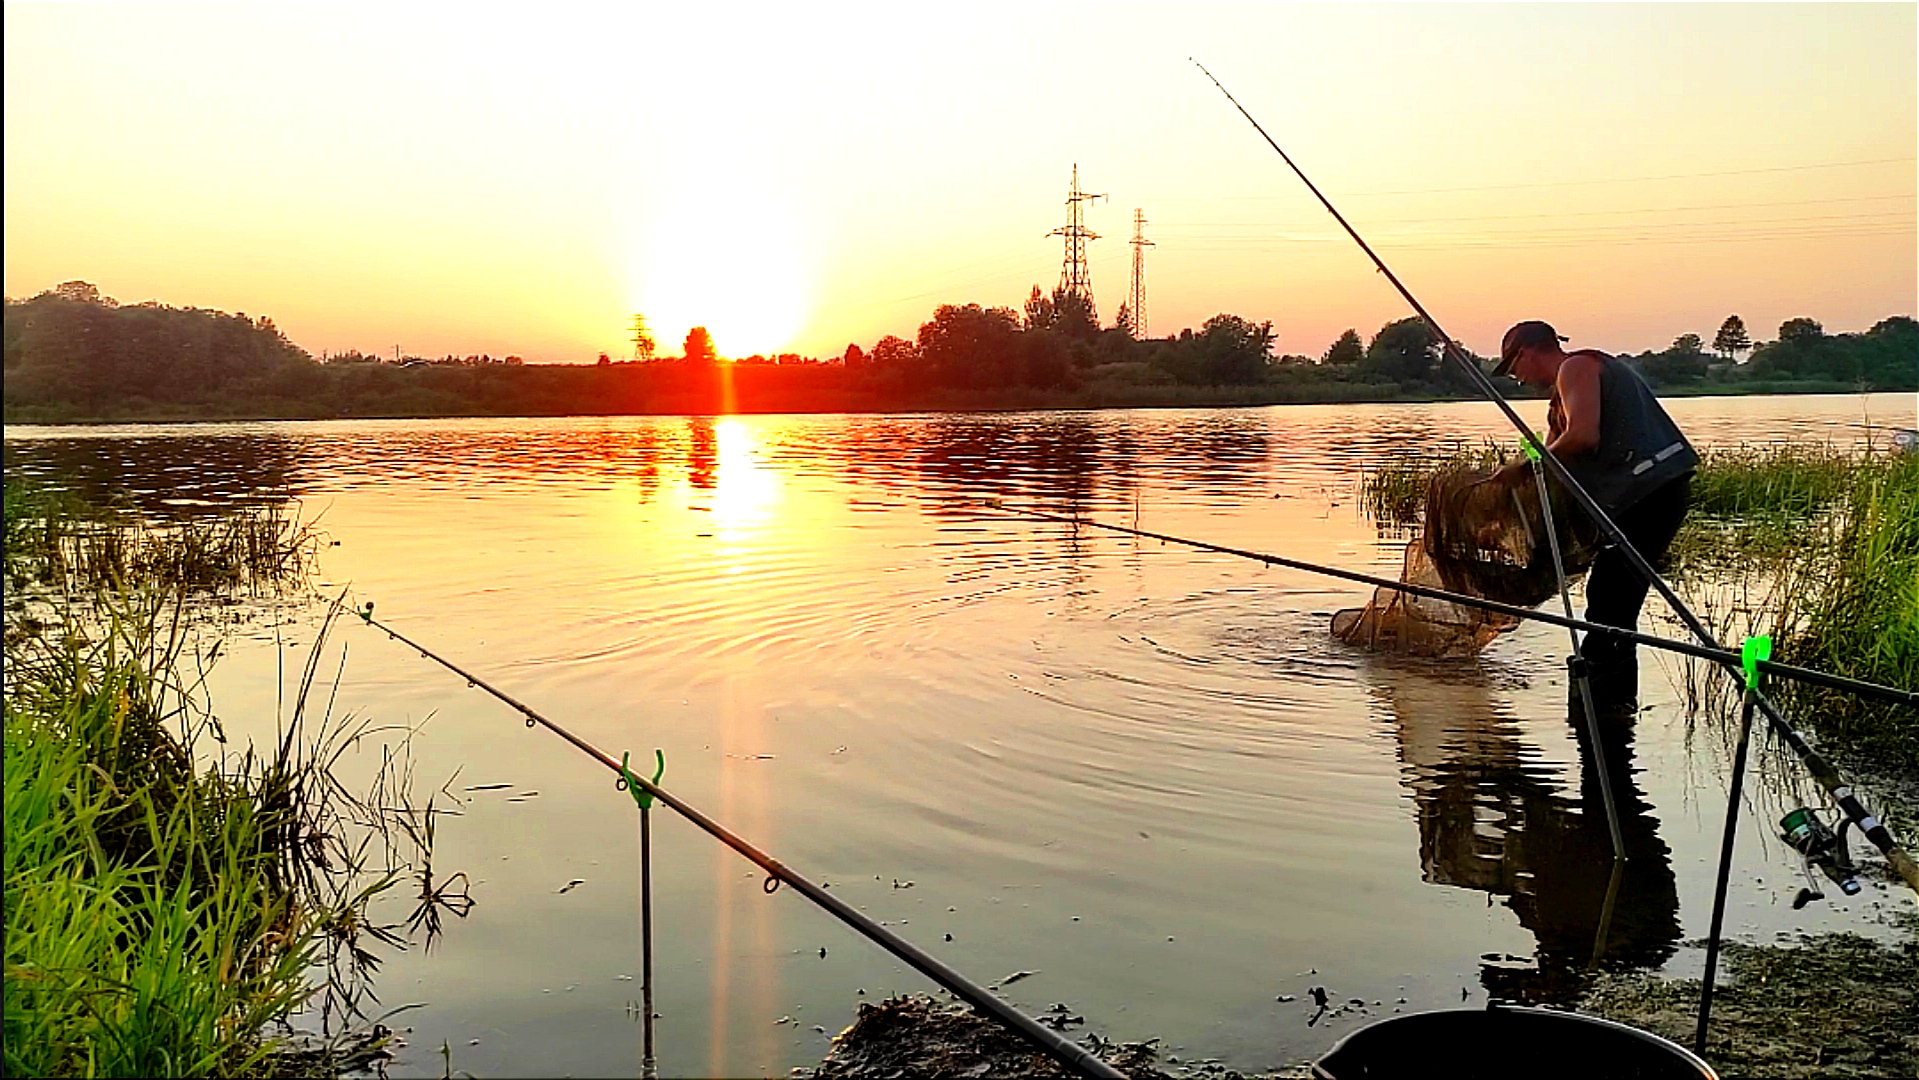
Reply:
x=1888, y=222
x=1551, y=214
x=1581, y=183
x=1225, y=244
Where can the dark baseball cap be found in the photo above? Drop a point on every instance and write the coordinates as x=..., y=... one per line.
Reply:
x=1526, y=335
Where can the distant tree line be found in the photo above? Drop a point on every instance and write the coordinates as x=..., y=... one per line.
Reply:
x=1885, y=357
x=72, y=353
x=74, y=347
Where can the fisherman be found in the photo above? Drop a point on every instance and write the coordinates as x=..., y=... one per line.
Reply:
x=1609, y=431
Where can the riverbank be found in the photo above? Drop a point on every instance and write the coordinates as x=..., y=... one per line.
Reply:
x=916, y=1035
x=168, y=900
x=426, y=398
x=1830, y=1005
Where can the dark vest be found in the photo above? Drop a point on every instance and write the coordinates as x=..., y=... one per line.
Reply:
x=1640, y=448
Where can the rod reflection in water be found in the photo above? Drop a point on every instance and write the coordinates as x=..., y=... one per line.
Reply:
x=1492, y=817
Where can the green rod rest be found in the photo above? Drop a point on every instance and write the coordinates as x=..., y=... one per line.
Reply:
x=640, y=798
x=1754, y=650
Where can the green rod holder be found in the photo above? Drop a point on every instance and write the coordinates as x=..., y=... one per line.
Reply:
x=1751, y=652
x=640, y=798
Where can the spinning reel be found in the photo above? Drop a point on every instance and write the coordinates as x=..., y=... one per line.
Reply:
x=1818, y=845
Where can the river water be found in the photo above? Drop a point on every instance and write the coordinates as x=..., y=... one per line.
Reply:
x=1143, y=773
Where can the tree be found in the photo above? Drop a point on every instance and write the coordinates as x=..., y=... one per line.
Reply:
x=1801, y=331
x=894, y=352
x=1731, y=340
x=1236, y=350
x=1123, y=321
x=972, y=346
x=699, y=347
x=1345, y=352
x=854, y=357
x=1039, y=311
x=1890, y=351
x=1074, y=315
x=1403, y=351
x=1685, y=361
x=80, y=292
x=643, y=343
x=1803, y=351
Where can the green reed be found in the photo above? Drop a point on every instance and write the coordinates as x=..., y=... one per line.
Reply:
x=1394, y=493
x=168, y=902
x=54, y=536
x=1788, y=479
x=1851, y=606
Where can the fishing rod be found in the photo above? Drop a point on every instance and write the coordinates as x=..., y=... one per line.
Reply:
x=1063, y=1050
x=1822, y=771
x=1485, y=386
x=1893, y=695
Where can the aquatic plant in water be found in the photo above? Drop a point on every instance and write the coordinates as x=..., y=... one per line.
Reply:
x=168, y=902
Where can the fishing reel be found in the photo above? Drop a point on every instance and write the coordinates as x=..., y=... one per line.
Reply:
x=1818, y=845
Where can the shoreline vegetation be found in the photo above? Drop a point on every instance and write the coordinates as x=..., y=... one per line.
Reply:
x=75, y=356
x=173, y=902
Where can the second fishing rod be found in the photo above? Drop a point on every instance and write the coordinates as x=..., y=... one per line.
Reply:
x=1074, y=1057
x=1811, y=676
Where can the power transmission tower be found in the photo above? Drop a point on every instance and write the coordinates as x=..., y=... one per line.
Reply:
x=1136, y=299
x=1074, y=279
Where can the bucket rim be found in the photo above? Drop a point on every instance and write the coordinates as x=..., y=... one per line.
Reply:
x=1705, y=1070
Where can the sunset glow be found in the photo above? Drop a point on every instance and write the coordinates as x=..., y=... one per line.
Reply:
x=798, y=182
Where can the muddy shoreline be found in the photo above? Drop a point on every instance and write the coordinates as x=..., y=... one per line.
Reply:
x=1828, y=1005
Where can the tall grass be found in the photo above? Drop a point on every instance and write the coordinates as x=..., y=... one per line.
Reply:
x=1394, y=493
x=166, y=901
x=54, y=537
x=1852, y=607
x=143, y=935
x=1792, y=479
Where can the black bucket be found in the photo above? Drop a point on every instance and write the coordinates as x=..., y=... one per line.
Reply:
x=1505, y=1041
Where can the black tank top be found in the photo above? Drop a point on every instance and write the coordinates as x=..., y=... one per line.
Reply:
x=1640, y=448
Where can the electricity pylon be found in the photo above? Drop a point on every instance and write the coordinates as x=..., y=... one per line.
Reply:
x=1074, y=278
x=1136, y=298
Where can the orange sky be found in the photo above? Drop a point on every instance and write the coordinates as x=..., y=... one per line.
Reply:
x=799, y=181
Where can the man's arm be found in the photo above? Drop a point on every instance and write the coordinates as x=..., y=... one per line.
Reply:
x=1579, y=400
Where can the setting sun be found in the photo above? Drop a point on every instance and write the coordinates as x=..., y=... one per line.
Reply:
x=717, y=253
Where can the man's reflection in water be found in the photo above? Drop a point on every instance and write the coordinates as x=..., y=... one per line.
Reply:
x=1492, y=816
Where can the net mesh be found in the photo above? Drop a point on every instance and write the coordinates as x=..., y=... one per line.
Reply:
x=1484, y=535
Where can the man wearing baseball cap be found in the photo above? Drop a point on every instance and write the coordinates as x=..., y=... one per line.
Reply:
x=1610, y=432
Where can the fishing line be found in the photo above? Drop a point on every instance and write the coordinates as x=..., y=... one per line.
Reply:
x=1054, y=1045
x=1874, y=691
